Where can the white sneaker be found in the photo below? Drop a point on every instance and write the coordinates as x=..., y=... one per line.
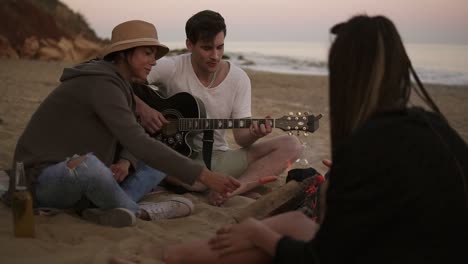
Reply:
x=117, y=217
x=173, y=208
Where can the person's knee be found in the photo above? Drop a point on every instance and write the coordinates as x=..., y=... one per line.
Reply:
x=290, y=216
x=90, y=166
x=298, y=216
x=291, y=145
x=73, y=163
x=303, y=228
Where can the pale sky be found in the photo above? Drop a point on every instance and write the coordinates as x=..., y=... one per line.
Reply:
x=419, y=21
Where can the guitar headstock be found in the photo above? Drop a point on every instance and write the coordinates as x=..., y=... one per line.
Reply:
x=298, y=122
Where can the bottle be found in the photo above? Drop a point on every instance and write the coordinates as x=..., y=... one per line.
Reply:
x=303, y=161
x=301, y=168
x=22, y=205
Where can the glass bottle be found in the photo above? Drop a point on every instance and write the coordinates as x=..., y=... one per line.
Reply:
x=303, y=161
x=22, y=205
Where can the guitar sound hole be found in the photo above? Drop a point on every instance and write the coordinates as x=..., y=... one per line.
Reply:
x=171, y=128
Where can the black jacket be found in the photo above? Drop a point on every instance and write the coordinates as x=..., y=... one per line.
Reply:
x=397, y=194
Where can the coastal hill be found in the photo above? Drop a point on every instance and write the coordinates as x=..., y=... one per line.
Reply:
x=45, y=30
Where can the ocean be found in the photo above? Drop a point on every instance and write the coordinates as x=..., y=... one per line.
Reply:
x=434, y=63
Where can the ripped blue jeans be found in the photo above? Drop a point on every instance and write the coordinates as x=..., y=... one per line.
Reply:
x=60, y=187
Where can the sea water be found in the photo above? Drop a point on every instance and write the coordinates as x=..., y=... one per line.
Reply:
x=434, y=63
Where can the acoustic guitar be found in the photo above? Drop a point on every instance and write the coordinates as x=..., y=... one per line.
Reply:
x=186, y=113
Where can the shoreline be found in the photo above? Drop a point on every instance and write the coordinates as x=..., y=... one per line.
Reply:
x=244, y=67
x=460, y=86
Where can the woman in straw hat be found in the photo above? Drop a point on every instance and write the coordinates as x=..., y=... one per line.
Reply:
x=84, y=142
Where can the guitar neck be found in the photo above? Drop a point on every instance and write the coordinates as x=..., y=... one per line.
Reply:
x=192, y=124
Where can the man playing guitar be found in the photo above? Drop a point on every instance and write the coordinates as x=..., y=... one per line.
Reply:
x=226, y=93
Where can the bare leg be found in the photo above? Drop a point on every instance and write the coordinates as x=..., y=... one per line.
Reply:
x=266, y=158
x=293, y=224
x=269, y=157
x=199, y=252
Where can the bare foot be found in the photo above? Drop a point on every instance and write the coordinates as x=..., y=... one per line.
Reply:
x=252, y=195
x=216, y=199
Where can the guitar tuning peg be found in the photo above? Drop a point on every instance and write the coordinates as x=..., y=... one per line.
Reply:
x=290, y=133
x=299, y=113
x=306, y=113
x=291, y=113
x=306, y=134
x=304, y=128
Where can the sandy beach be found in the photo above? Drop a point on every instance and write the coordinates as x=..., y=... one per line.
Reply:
x=65, y=238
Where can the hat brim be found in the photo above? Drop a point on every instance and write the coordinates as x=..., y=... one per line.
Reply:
x=162, y=49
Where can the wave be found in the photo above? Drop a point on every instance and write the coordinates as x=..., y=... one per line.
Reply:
x=307, y=66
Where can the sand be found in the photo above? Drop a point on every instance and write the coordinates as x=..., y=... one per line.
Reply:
x=65, y=238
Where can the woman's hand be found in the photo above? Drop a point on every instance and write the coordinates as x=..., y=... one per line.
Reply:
x=150, y=119
x=327, y=163
x=218, y=182
x=234, y=238
x=120, y=169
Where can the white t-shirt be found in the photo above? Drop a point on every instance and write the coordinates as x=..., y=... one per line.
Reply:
x=230, y=99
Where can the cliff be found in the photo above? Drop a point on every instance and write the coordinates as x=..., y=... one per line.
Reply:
x=45, y=30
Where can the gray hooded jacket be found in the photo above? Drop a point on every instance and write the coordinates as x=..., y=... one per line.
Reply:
x=92, y=110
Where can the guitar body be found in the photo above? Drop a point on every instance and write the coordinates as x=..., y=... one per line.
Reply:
x=181, y=105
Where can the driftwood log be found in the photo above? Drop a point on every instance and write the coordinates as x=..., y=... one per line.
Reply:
x=286, y=198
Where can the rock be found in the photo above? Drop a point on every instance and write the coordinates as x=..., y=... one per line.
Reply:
x=86, y=49
x=46, y=30
x=247, y=63
x=67, y=48
x=48, y=42
x=50, y=54
x=64, y=49
x=30, y=48
x=6, y=51
x=85, y=44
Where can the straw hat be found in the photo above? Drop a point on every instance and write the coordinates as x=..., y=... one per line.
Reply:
x=135, y=33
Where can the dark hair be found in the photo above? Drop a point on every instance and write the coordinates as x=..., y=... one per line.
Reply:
x=369, y=72
x=118, y=55
x=204, y=25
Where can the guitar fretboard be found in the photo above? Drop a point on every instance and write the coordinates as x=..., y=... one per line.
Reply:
x=190, y=124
